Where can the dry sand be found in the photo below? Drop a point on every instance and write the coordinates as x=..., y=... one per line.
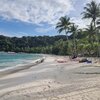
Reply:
x=51, y=80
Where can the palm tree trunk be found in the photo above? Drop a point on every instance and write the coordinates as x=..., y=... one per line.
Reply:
x=67, y=40
x=74, y=38
x=98, y=54
x=97, y=39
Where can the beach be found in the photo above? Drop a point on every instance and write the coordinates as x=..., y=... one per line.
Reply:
x=52, y=80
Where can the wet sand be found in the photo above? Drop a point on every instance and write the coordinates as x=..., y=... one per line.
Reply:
x=11, y=70
x=51, y=80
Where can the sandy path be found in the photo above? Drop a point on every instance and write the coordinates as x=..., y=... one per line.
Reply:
x=52, y=81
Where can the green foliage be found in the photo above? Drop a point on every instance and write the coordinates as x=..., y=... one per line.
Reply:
x=60, y=47
x=41, y=44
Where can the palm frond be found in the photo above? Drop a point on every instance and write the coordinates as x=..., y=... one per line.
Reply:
x=63, y=24
x=60, y=30
x=92, y=10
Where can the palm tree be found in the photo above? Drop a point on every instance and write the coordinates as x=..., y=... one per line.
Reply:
x=92, y=11
x=63, y=26
x=98, y=36
x=90, y=30
x=74, y=31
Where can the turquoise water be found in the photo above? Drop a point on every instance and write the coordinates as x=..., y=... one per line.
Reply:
x=14, y=59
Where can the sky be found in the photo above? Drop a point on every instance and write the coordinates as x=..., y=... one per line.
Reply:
x=38, y=17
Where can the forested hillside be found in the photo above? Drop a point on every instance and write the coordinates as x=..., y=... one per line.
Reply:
x=49, y=44
x=39, y=44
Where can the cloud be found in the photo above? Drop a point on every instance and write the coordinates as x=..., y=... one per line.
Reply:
x=4, y=33
x=17, y=34
x=88, y=1
x=35, y=11
x=98, y=1
x=80, y=22
x=39, y=12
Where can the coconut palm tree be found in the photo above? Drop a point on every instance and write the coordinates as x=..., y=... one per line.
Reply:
x=63, y=26
x=90, y=30
x=92, y=11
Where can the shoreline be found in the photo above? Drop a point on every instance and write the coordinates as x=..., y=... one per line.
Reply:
x=11, y=70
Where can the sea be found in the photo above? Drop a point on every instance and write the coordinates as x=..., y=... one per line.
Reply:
x=11, y=59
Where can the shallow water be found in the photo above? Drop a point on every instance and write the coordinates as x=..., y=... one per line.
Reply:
x=14, y=59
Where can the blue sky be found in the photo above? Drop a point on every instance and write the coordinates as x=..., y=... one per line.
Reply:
x=37, y=17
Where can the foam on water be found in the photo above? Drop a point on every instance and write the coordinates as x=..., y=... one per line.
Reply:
x=9, y=60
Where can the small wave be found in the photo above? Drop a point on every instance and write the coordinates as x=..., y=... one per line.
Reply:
x=20, y=67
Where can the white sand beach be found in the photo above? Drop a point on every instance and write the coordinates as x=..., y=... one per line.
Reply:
x=51, y=80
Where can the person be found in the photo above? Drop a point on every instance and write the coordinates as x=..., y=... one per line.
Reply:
x=74, y=56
